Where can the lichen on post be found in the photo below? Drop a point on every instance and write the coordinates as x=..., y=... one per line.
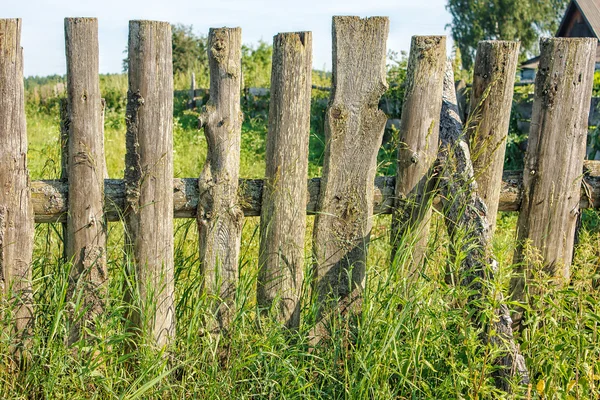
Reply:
x=149, y=178
x=85, y=234
x=487, y=128
x=220, y=217
x=418, y=147
x=283, y=211
x=353, y=132
x=16, y=209
x=554, y=159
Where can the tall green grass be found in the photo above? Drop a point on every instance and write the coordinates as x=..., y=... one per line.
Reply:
x=414, y=340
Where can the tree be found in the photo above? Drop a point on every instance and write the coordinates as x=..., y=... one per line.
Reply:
x=523, y=20
x=256, y=65
x=189, y=50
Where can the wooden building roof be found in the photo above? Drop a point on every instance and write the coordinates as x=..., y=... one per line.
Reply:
x=581, y=19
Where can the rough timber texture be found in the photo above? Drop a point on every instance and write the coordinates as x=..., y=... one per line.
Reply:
x=149, y=176
x=555, y=153
x=487, y=129
x=466, y=219
x=16, y=211
x=50, y=197
x=283, y=212
x=418, y=146
x=85, y=240
x=353, y=131
x=220, y=216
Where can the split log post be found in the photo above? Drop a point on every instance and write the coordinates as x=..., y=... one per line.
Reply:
x=467, y=223
x=418, y=147
x=283, y=215
x=85, y=240
x=16, y=211
x=220, y=217
x=554, y=158
x=353, y=130
x=487, y=127
x=149, y=177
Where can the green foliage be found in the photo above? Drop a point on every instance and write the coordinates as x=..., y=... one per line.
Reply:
x=516, y=141
x=256, y=65
x=523, y=20
x=189, y=49
x=415, y=338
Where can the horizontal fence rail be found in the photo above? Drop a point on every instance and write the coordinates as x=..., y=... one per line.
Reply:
x=50, y=196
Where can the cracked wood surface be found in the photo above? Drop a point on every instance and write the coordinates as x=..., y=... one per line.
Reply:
x=149, y=177
x=85, y=238
x=219, y=215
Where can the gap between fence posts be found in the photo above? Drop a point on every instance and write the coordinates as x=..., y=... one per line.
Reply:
x=417, y=149
x=353, y=132
x=85, y=235
x=220, y=217
x=16, y=209
x=283, y=214
x=554, y=160
x=148, y=180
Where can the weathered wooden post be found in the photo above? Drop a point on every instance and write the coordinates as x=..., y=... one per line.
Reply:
x=149, y=176
x=283, y=211
x=85, y=240
x=192, y=103
x=354, y=130
x=220, y=217
x=418, y=146
x=554, y=158
x=16, y=211
x=487, y=129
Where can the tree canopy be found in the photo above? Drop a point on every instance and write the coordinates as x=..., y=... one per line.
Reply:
x=189, y=49
x=523, y=20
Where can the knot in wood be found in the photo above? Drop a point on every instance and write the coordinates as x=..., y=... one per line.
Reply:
x=414, y=158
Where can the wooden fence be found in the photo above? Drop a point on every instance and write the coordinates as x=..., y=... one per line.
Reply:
x=437, y=167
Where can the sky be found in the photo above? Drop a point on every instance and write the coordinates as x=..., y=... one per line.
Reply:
x=43, y=23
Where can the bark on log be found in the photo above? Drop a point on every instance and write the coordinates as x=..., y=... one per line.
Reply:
x=85, y=240
x=283, y=214
x=16, y=211
x=353, y=130
x=554, y=158
x=149, y=177
x=470, y=234
x=487, y=127
x=50, y=197
x=220, y=217
x=418, y=147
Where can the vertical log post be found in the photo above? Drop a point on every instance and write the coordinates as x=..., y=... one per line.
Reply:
x=554, y=158
x=220, y=217
x=283, y=215
x=149, y=176
x=487, y=129
x=16, y=210
x=354, y=130
x=85, y=240
x=418, y=146
x=193, y=91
